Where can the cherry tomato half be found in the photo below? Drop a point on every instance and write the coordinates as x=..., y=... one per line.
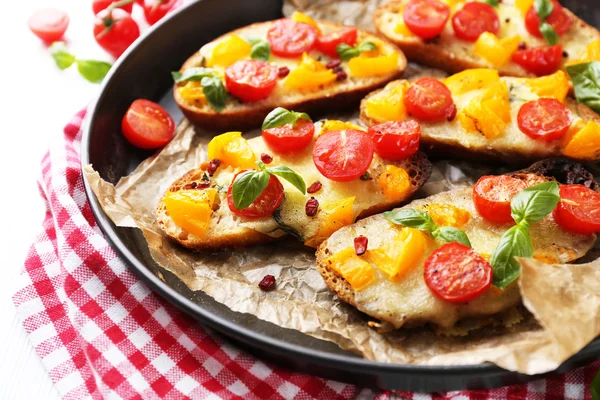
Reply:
x=147, y=125
x=343, y=155
x=115, y=31
x=396, y=140
x=49, y=24
x=290, y=38
x=286, y=138
x=578, y=210
x=426, y=18
x=264, y=205
x=492, y=196
x=155, y=10
x=99, y=5
x=540, y=60
x=544, y=119
x=559, y=20
x=457, y=274
x=474, y=19
x=251, y=80
x=428, y=99
x=327, y=44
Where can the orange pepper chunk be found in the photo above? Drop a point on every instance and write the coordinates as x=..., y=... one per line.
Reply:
x=394, y=182
x=448, y=215
x=232, y=149
x=356, y=271
x=191, y=209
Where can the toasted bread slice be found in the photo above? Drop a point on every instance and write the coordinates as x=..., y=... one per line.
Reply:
x=409, y=302
x=340, y=203
x=337, y=95
x=451, y=54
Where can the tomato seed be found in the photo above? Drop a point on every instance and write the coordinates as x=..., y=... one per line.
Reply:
x=312, y=206
x=266, y=158
x=360, y=244
x=314, y=188
x=451, y=113
x=267, y=283
x=283, y=72
x=213, y=165
x=333, y=63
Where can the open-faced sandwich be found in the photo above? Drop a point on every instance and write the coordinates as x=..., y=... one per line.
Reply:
x=451, y=256
x=298, y=178
x=479, y=115
x=297, y=63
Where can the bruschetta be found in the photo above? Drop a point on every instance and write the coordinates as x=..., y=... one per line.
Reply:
x=296, y=63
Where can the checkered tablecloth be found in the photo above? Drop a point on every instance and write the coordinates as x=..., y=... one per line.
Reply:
x=101, y=333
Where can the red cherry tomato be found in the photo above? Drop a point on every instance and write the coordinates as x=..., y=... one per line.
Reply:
x=428, y=99
x=474, y=19
x=544, y=119
x=147, y=125
x=264, y=205
x=492, y=196
x=559, y=20
x=155, y=10
x=457, y=274
x=290, y=39
x=251, y=80
x=115, y=31
x=578, y=210
x=396, y=140
x=49, y=24
x=426, y=18
x=327, y=44
x=286, y=138
x=99, y=5
x=540, y=60
x=343, y=155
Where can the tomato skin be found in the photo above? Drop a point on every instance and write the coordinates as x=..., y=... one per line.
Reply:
x=579, y=209
x=426, y=18
x=428, y=99
x=99, y=5
x=251, y=80
x=559, y=20
x=154, y=12
x=492, y=196
x=264, y=205
x=544, y=119
x=290, y=39
x=116, y=31
x=474, y=19
x=147, y=125
x=285, y=139
x=540, y=60
x=343, y=156
x=49, y=24
x=396, y=140
x=457, y=274
x=327, y=44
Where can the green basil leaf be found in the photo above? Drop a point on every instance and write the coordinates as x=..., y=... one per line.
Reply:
x=289, y=175
x=280, y=116
x=595, y=387
x=347, y=52
x=253, y=41
x=261, y=51
x=412, y=218
x=535, y=202
x=247, y=187
x=92, y=70
x=543, y=8
x=515, y=242
x=61, y=55
x=193, y=74
x=493, y=3
x=549, y=33
x=366, y=46
x=215, y=92
x=451, y=234
x=586, y=81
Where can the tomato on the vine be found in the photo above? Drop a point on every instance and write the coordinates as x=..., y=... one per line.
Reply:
x=115, y=31
x=155, y=10
x=99, y=5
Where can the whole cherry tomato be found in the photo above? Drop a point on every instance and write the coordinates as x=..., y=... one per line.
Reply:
x=287, y=138
x=492, y=196
x=155, y=10
x=49, y=24
x=578, y=210
x=115, y=30
x=147, y=125
x=99, y=5
x=426, y=18
x=540, y=60
x=264, y=205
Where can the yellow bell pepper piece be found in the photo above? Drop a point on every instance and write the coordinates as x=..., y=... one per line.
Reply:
x=471, y=79
x=401, y=27
x=356, y=271
x=394, y=182
x=477, y=117
x=585, y=143
x=310, y=74
x=192, y=91
x=388, y=105
x=592, y=53
x=333, y=216
x=231, y=49
x=555, y=86
x=301, y=17
x=524, y=5
x=448, y=215
x=232, y=149
x=365, y=65
x=497, y=51
x=337, y=125
x=191, y=209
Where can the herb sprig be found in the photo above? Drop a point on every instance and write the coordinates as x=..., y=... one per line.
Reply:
x=211, y=83
x=92, y=70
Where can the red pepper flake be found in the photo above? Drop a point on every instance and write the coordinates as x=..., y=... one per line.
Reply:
x=283, y=72
x=360, y=245
x=266, y=158
x=314, y=188
x=341, y=76
x=213, y=165
x=267, y=283
x=522, y=46
x=312, y=206
x=333, y=63
x=451, y=113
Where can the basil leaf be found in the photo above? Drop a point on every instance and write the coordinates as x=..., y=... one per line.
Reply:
x=366, y=46
x=451, y=234
x=549, y=33
x=493, y=3
x=280, y=116
x=535, y=202
x=412, y=218
x=595, y=387
x=289, y=175
x=261, y=51
x=543, y=8
x=92, y=70
x=253, y=41
x=586, y=80
x=515, y=242
x=61, y=55
x=193, y=74
x=347, y=52
x=215, y=92
x=247, y=187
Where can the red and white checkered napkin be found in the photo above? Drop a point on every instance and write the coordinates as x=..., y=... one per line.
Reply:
x=101, y=333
